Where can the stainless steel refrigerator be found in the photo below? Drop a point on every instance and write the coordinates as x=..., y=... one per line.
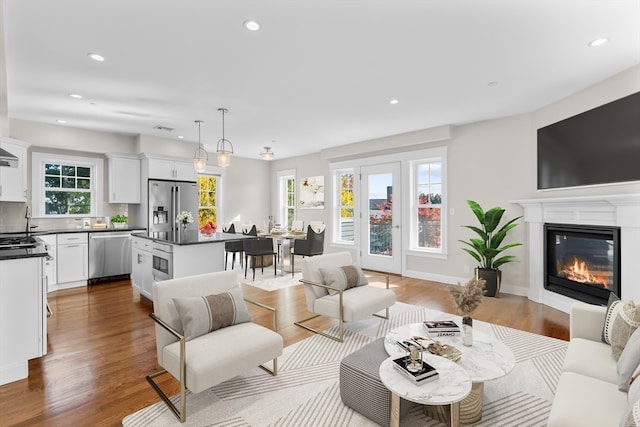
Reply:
x=166, y=200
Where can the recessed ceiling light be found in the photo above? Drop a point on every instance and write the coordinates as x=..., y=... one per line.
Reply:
x=180, y=137
x=95, y=56
x=393, y=102
x=61, y=121
x=251, y=25
x=75, y=95
x=598, y=42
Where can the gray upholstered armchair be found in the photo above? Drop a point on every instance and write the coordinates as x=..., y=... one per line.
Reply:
x=199, y=322
x=335, y=288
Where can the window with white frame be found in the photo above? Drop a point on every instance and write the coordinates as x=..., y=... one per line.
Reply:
x=427, y=205
x=424, y=203
x=287, y=197
x=344, y=206
x=66, y=186
x=208, y=199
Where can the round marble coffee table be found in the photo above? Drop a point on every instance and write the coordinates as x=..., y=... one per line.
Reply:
x=445, y=393
x=485, y=360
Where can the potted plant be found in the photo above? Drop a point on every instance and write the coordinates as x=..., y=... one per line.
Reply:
x=119, y=221
x=486, y=248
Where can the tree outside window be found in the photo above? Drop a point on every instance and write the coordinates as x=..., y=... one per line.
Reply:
x=346, y=223
x=207, y=199
x=67, y=189
x=429, y=204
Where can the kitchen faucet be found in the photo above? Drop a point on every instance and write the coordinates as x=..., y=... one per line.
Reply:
x=27, y=215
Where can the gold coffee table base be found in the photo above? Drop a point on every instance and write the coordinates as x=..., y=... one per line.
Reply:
x=448, y=414
x=470, y=408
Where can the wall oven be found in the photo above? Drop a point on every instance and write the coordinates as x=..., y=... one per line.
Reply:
x=162, y=261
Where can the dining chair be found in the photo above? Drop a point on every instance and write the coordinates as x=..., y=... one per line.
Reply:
x=312, y=245
x=233, y=247
x=317, y=226
x=259, y=248
x=249, y=230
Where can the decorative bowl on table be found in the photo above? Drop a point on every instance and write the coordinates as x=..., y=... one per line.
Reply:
x=298, y=232
x=445, y=350
x=276, y=232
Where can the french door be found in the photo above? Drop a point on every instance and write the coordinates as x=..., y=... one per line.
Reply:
x=381, y=207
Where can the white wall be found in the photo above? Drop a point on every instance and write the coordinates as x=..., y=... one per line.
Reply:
x=70, y=138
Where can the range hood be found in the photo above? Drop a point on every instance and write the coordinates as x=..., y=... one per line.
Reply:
x=8, y=159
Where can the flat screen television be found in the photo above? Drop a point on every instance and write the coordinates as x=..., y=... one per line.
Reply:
x=599, y=146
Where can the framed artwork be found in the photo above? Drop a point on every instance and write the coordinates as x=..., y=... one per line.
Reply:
x=312, y=192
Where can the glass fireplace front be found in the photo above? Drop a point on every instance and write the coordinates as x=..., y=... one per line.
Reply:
x=582, y=262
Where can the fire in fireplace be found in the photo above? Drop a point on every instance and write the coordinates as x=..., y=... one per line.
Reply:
x=582, y=262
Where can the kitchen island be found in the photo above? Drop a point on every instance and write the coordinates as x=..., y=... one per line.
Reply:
x=161, y=256
x=23, y=320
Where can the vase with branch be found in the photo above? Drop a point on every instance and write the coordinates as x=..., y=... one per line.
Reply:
x=467, y=298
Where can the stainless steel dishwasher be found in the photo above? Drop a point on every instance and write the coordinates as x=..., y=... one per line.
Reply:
x=109, y=255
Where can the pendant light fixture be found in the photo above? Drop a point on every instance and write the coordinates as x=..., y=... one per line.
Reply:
x=201, y=156
x=267, y=154
x=225, y=147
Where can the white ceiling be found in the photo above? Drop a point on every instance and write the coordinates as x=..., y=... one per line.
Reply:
x=319, y=73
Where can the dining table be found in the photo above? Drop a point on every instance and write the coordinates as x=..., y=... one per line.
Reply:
x=284, y=240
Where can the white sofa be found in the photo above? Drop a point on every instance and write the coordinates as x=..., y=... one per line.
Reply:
x=587, y=394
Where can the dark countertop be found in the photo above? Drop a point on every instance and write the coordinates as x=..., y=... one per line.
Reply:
x=70, y=230
x=37, y=251
x=190, y=237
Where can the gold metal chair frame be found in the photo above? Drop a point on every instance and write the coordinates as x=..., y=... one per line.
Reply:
x=340, y=336
x=181, y=413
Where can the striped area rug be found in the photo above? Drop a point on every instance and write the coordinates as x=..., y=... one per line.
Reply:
x=306, y=390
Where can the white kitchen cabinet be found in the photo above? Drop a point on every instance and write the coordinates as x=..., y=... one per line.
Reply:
x=23, y=326
x=13, y=181
x=73, y=260
x=124, y=176
x=171, y=169
x=141, y=266
x=50, y=270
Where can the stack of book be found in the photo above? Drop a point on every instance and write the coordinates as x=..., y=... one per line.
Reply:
x=424, y=375
x=441, y=328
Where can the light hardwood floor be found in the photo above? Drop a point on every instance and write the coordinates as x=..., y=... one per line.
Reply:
x=101, y=345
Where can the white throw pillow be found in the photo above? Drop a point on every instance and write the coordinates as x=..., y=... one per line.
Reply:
x=629, y=361
x=624, y=325
x=631, y=417
x=614, y=305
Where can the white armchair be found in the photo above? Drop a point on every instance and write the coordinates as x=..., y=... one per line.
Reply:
x=348, y=305
x=200, y=362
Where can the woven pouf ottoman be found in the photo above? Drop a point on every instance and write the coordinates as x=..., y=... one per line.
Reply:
x=360, y=385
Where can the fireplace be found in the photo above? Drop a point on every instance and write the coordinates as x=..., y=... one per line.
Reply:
x=582, y=261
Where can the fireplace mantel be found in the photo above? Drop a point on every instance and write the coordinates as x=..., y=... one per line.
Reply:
x=620, y=210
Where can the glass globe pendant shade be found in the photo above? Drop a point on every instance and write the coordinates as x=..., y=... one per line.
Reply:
x=224, y=158
x=201, y=156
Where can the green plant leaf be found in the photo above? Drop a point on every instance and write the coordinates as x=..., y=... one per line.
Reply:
x=479, y=231
x=503, y=260
x=477, y=210
x=492, y=218
x=487, y=247
x=473, y=254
